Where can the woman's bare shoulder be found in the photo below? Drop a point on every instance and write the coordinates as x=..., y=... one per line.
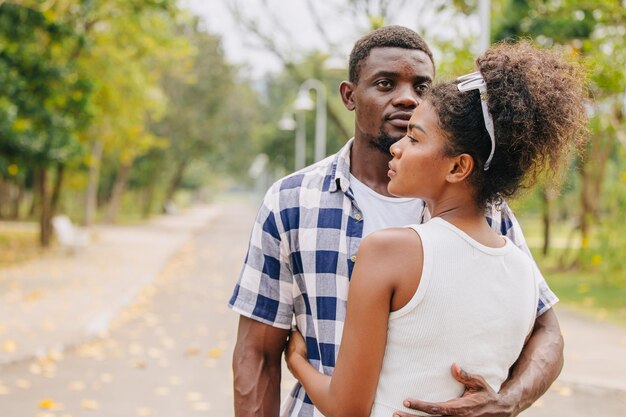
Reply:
x=392, y=239
x=398, y=251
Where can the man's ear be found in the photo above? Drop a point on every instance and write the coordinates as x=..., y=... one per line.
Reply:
x=462, y=167
x=346, y=90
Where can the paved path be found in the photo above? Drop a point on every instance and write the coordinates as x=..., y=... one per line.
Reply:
x=60, y=299
x=157, y=295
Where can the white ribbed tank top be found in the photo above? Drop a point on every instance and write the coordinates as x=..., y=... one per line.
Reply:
x=474, y=306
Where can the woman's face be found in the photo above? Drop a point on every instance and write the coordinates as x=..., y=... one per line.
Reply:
x=419, y=166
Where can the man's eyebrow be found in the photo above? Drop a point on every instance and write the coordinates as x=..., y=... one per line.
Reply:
x=416, y=126
x=387, y=74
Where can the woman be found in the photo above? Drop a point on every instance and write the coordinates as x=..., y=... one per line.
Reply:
x=423, y=296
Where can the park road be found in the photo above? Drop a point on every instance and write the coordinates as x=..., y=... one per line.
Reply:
x=168, y=354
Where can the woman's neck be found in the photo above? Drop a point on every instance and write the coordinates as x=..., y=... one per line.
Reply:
x=461, y=210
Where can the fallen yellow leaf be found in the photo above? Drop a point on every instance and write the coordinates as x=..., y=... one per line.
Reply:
x=215, y=353
x=34, y=296
x=194, y=396
x=144, y=412
x=89, y=405
x=201, y=406
x=48, y=404
x=9, y=346
x=192, y=351
x=76, y=386
x=23, y=384
x=565, y=392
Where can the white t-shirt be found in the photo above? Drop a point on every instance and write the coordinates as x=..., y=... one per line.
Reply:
x=380, y=211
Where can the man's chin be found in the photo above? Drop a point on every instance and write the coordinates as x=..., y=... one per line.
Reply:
x=384, y=141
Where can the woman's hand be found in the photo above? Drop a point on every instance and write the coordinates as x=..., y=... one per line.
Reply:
x=295, y=349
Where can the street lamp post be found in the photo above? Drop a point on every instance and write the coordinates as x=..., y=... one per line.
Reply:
x=288, y=123
x=300, y=157
x=303, y=102
x=485, y=30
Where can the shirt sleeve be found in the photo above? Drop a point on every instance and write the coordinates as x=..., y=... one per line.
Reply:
x=504, y=222
x=264, y=289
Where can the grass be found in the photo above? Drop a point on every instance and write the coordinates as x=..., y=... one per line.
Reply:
x=18, y=245
x=597, y=292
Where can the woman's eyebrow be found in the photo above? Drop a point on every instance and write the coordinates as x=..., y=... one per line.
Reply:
x=416, y=126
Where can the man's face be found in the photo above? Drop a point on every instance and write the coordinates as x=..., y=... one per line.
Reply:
x=391, y=84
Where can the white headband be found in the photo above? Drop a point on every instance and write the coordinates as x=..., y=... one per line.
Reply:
x=475, y=81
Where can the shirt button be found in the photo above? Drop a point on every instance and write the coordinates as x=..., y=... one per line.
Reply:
x=353, y=258
x=358, y=217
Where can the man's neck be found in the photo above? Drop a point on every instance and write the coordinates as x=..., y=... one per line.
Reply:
x=370, y=166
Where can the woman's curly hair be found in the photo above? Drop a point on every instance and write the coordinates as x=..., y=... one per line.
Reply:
x=536, y=99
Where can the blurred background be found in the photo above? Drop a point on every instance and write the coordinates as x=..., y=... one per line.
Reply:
x=114, y=112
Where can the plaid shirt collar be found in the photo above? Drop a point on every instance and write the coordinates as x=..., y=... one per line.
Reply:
x=340, y=169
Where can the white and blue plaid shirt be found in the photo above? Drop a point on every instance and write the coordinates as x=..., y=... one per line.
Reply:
x=301, y=255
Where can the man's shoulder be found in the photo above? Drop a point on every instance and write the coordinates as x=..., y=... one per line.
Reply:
x=313, y=178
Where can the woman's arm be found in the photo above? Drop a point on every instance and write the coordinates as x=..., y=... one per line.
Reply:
x=388, y=262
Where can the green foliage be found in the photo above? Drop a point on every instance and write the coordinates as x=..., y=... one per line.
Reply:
x=594, y=32
x=43, y=98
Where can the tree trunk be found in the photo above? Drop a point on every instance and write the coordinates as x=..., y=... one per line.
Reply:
x=58, y=186
x=44, y=218
x=34, y=205
x=17, y=202
x=149, y=195
x=118, y=190
x=91, y=194
x=4, y=196
x=176, y=180
x=546, y=218
x=592, y=177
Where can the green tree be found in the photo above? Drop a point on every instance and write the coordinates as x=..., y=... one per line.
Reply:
x=194, y=121
x=592, y=30
x=130, y=46
x=43, y=98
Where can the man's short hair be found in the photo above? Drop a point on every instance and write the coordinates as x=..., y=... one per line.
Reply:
x=385, y=37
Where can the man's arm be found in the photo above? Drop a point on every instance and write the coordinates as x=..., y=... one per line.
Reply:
x=256, y=368
x=539, y=364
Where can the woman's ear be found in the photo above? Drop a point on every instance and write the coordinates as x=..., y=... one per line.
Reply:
x=346, y=90
x=462, y=167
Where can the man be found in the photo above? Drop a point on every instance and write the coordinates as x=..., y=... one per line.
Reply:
x=307, y=232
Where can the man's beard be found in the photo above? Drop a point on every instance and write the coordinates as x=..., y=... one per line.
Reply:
x=383, y=142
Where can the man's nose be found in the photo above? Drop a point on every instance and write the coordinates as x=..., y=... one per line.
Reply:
x=407, y=97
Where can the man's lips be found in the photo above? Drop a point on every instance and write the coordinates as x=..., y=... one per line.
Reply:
x=399, y=119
